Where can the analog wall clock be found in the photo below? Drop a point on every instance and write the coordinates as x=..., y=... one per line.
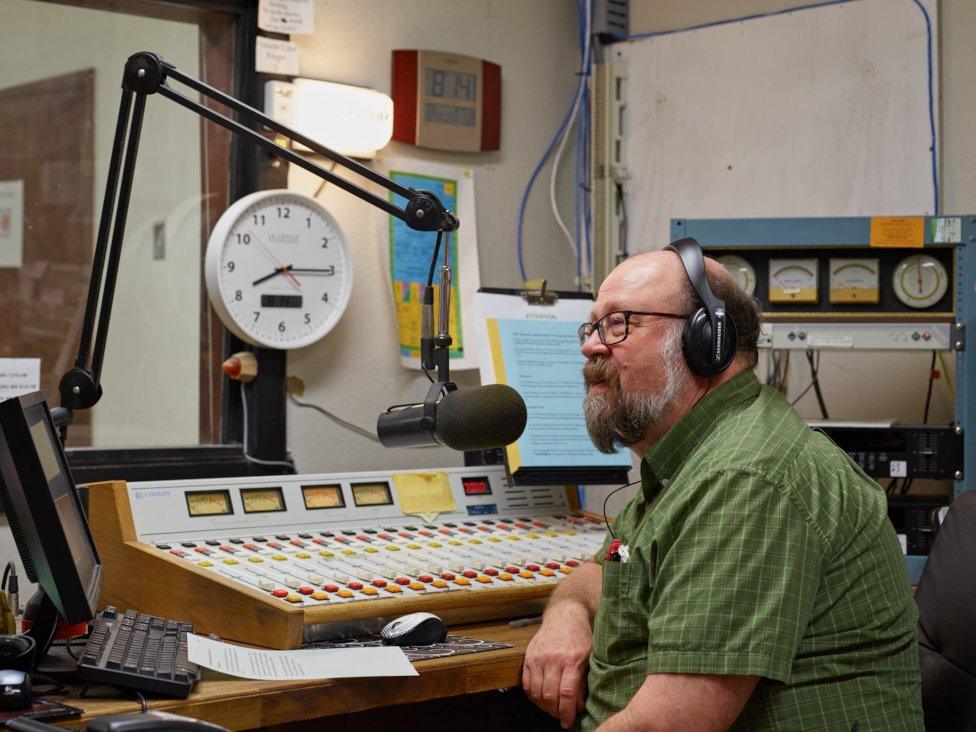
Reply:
x=278, y=271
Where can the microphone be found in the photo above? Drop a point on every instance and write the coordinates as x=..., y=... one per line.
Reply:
x=479, y=418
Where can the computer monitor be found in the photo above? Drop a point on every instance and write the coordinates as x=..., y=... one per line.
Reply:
x=39, y=497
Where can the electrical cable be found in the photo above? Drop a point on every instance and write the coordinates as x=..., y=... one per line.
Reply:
x=945, y=373
x=928, y=393
x=250, y=458
x=338, y=420
x=815, y=371
x=607, y=498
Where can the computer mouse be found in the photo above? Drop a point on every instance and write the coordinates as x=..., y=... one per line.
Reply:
x=415, y=629
x=15, y=690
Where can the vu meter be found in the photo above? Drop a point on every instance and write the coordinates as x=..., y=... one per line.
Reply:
x=793, y=281
x=323, y=496
x=741, y=270
x=262, y=500
x=208, y=503
x=855, y=281
x=920, y=281
x=371, y=494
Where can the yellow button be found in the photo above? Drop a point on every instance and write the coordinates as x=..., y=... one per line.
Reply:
x=484, y=579
x=552, y=534
x=513, y=537
x=368, y=590
x=279, y=557
x=531, y=535
x=474, y=541
x=413, y=546
x=393, y=588
x=505, y=576
x=546, y=572
x=454, y=542
x=494, y=539
x=204, y=563
x=371, y=550
x=344, y=593
x=439, y=584
x=525, y=574
x=255, y=560
x=348, y=552
x=294, y=598
x=231, y=560
x=463, y=581
x=303, y=555
x=392, y=548
x=435, y=545
x=565, y=570
x=416, y=586
x=326, y=553
x=320, y=595
x=569, y=533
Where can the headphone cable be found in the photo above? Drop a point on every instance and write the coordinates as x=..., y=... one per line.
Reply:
x=625, y=485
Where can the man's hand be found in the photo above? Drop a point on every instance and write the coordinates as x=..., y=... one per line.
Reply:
x=556, y=661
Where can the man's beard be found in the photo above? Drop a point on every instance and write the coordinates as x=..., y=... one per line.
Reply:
x=615, y=417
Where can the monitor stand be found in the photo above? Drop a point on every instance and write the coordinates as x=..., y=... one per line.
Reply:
x=44, y=626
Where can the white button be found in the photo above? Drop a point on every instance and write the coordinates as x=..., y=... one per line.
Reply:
x=291, y=582
x=364, y=575
x=341, y=578
x=315, y=579
x=266, y=584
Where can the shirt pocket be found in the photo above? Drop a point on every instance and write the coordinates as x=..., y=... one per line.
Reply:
x=620, y=629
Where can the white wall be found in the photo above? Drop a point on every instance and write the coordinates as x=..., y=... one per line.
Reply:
x=355, y=370
x=151, y=371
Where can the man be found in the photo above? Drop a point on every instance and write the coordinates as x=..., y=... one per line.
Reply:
x=758, y=584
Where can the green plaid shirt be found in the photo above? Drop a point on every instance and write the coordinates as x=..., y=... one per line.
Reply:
x=758, y=548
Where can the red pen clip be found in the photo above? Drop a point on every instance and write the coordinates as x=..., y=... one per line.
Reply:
x=613, y=554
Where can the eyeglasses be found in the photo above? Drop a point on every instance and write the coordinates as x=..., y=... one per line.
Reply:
x=615, y=327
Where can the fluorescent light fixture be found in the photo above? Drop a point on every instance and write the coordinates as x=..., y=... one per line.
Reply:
x=352, y=120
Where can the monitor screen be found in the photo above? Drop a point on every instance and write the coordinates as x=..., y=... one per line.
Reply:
x=42, y=506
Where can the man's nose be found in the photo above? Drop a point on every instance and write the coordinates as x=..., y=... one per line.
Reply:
x=593, y=346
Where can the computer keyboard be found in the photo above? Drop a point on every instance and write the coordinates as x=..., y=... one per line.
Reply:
x=139, y=651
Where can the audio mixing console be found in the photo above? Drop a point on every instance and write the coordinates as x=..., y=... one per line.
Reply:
x=263, y=559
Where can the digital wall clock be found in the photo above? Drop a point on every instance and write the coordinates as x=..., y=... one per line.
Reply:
x=277, y=269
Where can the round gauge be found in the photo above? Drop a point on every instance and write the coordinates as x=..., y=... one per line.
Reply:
x=743, y=272
x=278, y=271
x=793, y=281
x=920, y=281
x=854, y=281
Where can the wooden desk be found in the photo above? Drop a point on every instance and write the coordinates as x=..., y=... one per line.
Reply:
x=241, y=704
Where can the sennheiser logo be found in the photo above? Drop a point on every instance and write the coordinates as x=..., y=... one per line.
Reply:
x=719, y=332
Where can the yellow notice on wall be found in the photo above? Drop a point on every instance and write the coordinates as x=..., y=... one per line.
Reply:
x=424, y=494
x=898, y=231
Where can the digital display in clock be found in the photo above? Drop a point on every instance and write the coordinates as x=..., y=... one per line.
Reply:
x=281, y=301
x=450, y=84
x=444, y=114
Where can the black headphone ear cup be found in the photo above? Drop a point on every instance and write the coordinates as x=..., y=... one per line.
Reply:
x=696, y=342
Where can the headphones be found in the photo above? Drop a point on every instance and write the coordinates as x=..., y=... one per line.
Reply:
x=709, y=339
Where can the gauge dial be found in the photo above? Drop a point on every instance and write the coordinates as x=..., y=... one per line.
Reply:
x=854, y=281
x=371, y=494
x=743, y=272
x=323, y=496
x=208, y=503
x=793, y=281
x=262, y=500
x=920, y=281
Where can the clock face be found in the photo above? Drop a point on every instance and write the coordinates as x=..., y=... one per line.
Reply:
x=278, y=271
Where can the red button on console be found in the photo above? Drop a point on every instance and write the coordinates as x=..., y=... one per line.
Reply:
x=447, y=576
x=355, y=585
x=280, y=593
x=470, y=574
x=330, y=588
x=425, y=578
x=378, y=583
x=402, y=581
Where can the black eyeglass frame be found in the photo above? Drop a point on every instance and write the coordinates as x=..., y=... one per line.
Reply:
x=586, y=329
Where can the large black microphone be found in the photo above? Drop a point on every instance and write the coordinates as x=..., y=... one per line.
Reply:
x=479, y=418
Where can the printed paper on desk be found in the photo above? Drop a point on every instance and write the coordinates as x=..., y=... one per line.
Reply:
x=312, y=663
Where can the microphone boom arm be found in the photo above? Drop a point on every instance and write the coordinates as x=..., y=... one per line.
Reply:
x=144, y=74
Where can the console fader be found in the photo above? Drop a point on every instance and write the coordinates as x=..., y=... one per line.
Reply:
x=261, y=559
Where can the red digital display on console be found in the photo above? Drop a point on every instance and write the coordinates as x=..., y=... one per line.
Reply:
x=476, y=486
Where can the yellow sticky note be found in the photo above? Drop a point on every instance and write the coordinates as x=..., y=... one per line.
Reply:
x=898, y=231
x=423, y=493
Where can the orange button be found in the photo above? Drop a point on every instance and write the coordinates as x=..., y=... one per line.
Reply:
x=484, y=579
x=463, y=581
x=394, y=588
x=526, y=575
x=439, y=584
x=294, y=598
x=505, y=576
x=319, y=595
x=416, y=586
x=344, y=593
x=546, y=572
x=566, y=570
x=369, y=590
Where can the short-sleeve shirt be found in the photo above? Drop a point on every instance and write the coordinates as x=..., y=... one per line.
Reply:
x=757, y=547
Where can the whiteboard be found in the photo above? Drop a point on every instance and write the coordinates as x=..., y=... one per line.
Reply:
x=819, y=112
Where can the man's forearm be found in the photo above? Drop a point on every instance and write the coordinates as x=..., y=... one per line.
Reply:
x=583, y=587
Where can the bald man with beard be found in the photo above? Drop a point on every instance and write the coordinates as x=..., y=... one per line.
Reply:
x=758, y=584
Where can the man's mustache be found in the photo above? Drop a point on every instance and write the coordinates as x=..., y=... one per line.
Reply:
x=600, y=369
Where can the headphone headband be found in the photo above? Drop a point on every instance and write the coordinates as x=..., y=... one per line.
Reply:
x=690, y=253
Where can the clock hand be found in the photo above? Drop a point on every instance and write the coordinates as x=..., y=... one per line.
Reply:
x=274, y=259
x=277, y=271
x=310, y=270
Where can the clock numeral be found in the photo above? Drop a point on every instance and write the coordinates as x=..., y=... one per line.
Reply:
x=257, y=314
x=308, y=318
x=230, y=266
x=325, y=297
x=281, y=327
x=284, y=212
x=243, y=238
x=308, y=222
x=325, y=242
x=258, y=219
x=238, y=295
